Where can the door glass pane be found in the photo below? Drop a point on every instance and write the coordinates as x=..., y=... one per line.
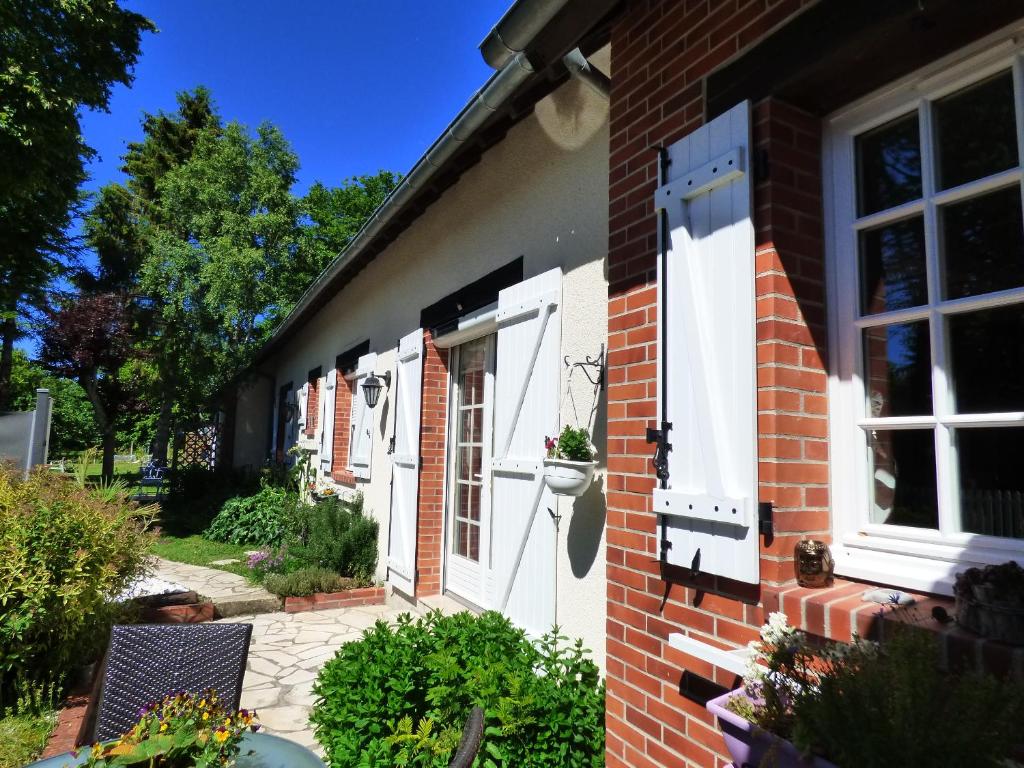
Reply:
x=471, y=427
x=897, y=370
x=991, y=481
x=983, y=243
x=888, y=165
x=892, y=267
x=987, y=348
x=472, y=362
x=902, y=480
x=975, y=132
x=473, y=543
x=469, y=463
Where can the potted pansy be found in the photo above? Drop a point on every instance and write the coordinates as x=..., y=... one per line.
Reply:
x=570, y=463
x=181, y=731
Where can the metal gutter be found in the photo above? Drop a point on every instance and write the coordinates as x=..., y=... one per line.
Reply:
x=580, y=68
x=517, y=28
x=485, y=103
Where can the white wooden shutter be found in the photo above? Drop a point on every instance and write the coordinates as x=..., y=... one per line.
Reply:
x=405, y=465
x=303, y=400
x=708, y=356
x=327, y=420
x=521, y=581
x=361, y=440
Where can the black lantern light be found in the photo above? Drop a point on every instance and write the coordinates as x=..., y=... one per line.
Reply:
x=372, y=387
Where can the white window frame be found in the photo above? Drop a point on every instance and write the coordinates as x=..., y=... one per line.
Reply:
x=912, y=558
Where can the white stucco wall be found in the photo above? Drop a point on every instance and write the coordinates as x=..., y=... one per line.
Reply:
x=541, y=193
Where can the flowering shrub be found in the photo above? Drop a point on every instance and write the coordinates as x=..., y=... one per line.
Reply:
x=572, y=445
x=264, y=562
x=182, y=731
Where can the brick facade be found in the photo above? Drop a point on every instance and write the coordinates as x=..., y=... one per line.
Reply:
x=342, y=431
x=433, y=427
x=661, y=51
x=312, y=404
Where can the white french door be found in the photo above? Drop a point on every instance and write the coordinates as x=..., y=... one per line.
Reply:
x=470, y=440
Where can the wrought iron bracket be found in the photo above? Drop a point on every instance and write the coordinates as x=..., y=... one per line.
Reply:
x=660, y=438
x=589, y=362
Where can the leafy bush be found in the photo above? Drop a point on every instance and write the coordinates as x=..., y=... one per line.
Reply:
x=63, y=551
x=336, y=535
x=307, y=581
x=260, y=519
x=401, y=695
x=919, y=714
x=197, y=495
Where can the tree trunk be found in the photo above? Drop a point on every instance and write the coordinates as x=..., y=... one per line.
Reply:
x=8, y=331
x=109, y=448
x=162, y=436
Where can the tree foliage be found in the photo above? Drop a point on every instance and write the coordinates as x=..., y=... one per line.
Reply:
x=56, y=58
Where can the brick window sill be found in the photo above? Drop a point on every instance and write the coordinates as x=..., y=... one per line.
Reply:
x=344, y=478
x=837, y=612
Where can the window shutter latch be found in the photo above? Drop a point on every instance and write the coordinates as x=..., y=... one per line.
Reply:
x=663, y=446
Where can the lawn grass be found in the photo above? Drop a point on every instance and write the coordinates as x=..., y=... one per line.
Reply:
x=195, y=550
x=23, y=737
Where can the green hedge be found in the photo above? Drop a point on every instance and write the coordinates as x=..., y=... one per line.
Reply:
x=401, y=695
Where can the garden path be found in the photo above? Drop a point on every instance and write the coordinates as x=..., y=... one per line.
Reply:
x=285, y=656
x=230, y=593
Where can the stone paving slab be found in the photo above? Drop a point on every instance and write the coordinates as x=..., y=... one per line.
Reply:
x=230, y=593
x=285, y=656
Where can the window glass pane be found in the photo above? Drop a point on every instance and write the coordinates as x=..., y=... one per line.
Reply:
x=472, y=424
x=975, y=132
x=991, y=481
x=474, y=543
x=469, y=464
x=897, y=370
x=888, y=165
x=461, y=538
x=472, y=360
x=902, y=482
x=987, y=348
x=892, y=267
x=983, y=243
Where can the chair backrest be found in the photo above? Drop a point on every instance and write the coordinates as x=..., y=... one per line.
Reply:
x=145, y=662
x=469, y=744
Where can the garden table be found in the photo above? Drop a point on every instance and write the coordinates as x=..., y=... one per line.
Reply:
x=267, y=752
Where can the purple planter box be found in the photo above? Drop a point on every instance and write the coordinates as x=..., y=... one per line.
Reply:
x=748, y=745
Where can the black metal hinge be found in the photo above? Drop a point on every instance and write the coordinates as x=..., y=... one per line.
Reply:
x=660, y=458
x=765, y=521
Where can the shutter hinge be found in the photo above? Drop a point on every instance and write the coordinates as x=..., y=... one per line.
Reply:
x=391, y=445
x=660, y=458
x=765, y=518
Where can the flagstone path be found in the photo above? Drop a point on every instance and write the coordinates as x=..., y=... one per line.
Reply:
x=287, y=652
x=231, y=594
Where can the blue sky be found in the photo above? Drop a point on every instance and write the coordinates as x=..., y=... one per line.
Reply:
x=355, y=85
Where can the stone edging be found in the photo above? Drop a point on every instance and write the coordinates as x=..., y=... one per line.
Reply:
x=322, y=601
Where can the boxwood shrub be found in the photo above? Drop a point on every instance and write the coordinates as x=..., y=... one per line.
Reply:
x=401, y=695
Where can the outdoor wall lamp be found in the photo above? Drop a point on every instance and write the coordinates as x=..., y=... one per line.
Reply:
x=372, y=387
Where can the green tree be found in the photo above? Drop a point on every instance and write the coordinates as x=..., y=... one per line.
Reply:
x=56, y=58
x=72, y=427
x=332, y=217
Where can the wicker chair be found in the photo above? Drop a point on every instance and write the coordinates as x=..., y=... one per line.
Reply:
x=145, y=662
x=469, y=744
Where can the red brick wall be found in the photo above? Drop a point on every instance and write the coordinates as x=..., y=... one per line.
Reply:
x=429, y=526
x=342, y=431
x=312, y=406
x=660, y=53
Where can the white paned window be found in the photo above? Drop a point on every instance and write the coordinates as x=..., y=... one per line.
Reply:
x=926, y=267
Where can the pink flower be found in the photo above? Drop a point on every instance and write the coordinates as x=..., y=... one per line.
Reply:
x=550, y=443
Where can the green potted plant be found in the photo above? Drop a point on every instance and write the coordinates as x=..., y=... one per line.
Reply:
x=569, y=465
x=864, y=704
x=990, y=602
x=181, y=731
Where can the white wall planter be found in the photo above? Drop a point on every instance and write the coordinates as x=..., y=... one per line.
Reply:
x=568, y=478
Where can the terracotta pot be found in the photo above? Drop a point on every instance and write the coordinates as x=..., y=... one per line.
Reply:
x=749, y=745
x=568, y=478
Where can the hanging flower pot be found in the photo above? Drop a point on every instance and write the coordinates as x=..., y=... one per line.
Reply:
x=569, y=466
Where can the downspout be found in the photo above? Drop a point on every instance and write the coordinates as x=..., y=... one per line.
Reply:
x=581, y=69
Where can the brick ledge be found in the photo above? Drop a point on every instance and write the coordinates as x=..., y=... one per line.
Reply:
x=838, y=612
x=322, y=601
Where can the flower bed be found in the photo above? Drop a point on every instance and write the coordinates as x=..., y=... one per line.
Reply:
x=322, y=601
